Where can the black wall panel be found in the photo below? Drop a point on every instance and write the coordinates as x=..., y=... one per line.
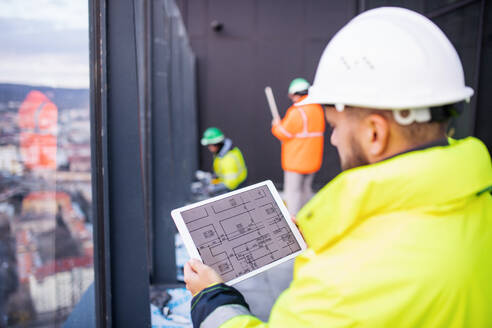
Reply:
x=174, y=149
x=270, y=42
x=267, y=42
x=483, y=121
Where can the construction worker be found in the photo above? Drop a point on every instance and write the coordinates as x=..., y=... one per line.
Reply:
x=301, y=133
x=403, y=236
x=228, y=165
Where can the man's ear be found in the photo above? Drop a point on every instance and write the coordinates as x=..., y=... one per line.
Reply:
x=376, y=135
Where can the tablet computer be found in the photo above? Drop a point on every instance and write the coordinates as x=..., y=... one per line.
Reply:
x=240, y=233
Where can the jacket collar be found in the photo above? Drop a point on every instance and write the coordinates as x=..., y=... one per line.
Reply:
x=225, y=148
x=416, y=180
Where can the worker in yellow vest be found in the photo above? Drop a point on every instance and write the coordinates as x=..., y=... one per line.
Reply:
x=229, y=166
x=403, y=236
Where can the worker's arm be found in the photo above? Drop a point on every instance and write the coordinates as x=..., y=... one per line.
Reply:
x=310, y=301
x=289, y=126
x=214, y=303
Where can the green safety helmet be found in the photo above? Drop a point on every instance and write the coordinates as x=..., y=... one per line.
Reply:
x=299, y=85
x=212, y=136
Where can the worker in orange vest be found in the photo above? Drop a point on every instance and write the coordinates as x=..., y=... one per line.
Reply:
x=301, y=133
x=37, y=120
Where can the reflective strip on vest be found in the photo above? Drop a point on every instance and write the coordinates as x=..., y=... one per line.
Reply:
x=37, y=112
x=222, y=314
x=305, y=133
x=231, y=176
x=284, y=131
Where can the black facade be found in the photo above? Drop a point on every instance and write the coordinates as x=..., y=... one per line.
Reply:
x=270, y=42
x=145, y=137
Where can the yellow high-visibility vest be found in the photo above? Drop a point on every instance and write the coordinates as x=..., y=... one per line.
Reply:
x=231, y=168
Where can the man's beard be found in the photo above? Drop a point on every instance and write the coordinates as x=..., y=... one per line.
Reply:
x=355, y=158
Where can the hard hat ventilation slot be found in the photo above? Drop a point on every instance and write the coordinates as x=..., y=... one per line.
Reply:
x=347, y=66
x=368, y=63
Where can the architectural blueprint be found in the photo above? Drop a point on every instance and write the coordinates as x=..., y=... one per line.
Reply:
x=240, y=233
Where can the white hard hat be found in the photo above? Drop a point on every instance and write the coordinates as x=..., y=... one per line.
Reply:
x=389, y=58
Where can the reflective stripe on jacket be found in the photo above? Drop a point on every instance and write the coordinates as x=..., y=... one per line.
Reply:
x=405, y=242
x=229, y=166
x=301, y=133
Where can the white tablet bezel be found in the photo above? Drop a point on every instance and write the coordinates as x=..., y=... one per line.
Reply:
x=193, y=251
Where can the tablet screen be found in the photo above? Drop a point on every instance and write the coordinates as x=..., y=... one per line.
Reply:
x=240, y=233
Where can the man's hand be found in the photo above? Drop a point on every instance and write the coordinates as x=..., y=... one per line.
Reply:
x=275, y=121
x=199, y=276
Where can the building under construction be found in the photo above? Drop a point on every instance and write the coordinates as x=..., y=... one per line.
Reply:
x=103, y=105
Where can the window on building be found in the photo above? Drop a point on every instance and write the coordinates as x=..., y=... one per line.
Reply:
x=46, y=245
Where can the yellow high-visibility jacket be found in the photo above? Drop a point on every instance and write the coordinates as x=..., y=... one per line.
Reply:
x=406, y=242
x=229, y=166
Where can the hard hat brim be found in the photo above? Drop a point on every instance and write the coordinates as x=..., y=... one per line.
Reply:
x=387, y=102
x=213, y=141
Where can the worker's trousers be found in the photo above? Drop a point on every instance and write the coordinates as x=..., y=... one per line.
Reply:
x=297, y=190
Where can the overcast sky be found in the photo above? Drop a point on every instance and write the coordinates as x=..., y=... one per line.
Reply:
x=44, y=42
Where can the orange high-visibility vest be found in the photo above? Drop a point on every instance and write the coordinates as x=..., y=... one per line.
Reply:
x=301, y=133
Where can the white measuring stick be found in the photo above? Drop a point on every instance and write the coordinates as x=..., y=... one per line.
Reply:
x=271, y=103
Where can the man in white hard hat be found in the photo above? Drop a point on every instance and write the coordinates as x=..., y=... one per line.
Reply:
x=403, y=236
